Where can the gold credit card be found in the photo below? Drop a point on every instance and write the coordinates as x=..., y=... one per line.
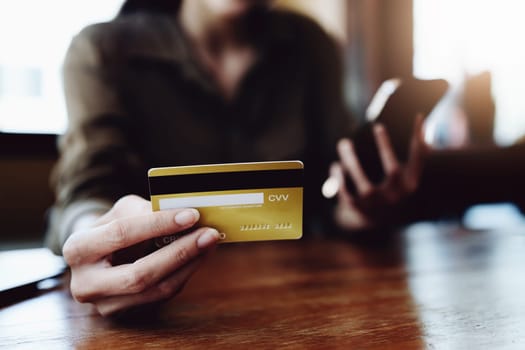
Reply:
x=244, y=201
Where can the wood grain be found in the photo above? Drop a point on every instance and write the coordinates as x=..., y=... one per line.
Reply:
x=434, y=286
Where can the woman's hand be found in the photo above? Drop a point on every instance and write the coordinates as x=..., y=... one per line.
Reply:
x=149, y=275
x=374, y=204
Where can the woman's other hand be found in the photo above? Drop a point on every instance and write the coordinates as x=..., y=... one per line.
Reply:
x=372, y=204
x=148, y=275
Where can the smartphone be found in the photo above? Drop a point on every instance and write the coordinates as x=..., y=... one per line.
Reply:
x=395, y=105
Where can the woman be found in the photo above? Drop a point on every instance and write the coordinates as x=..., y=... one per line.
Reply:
x=204, y=81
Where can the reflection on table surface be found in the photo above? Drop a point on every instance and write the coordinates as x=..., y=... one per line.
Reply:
x=432, y=286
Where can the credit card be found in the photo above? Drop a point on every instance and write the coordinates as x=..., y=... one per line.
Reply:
x=245, y=202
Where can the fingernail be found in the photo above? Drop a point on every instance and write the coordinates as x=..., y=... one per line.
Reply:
x=378, y=128
x=345, y=144
x=187, y=217
x=207, y=239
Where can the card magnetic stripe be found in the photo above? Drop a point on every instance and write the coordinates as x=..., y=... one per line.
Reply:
x=238, y=180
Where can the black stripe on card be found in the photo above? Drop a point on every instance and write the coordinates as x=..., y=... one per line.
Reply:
x=239, y=180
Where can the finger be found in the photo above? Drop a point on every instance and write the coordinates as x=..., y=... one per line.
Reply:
x=94, y=244
x=347, y=215
x=163, y=290
x=330, y=187
x=337, y=173
x=386, y=151
x=418, y=149
x=128, y=279
x=351, y=164
x=333, y=183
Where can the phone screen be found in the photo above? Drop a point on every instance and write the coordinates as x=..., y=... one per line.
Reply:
x=396, y=106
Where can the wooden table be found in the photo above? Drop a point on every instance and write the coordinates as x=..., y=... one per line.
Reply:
x=435, y=286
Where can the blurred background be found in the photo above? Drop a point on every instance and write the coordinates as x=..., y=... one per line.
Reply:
x=474, y=44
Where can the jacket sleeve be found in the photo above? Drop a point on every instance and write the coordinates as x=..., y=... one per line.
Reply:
x=329, y=119
x=330, y=114
x=97, y=163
